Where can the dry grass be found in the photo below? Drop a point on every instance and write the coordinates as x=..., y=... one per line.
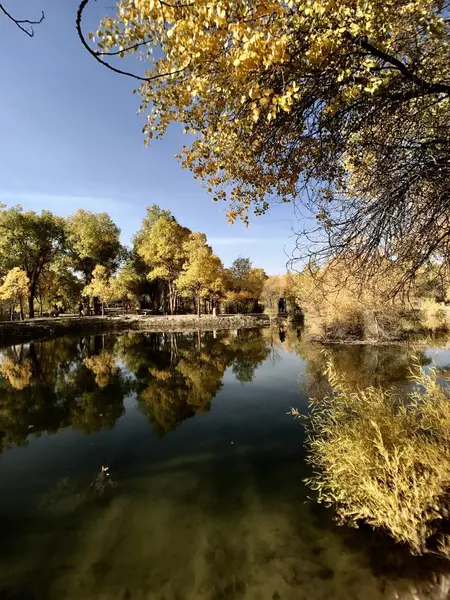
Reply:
x=384, y=459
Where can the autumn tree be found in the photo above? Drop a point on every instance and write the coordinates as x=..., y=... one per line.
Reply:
x=15, y=289
x=348, y=99
x=271, y=294
x=150, y=292
x=161, y=248
x=93, y=239
x=30, y=242
x=246, y=284
x=102, y=286
x=202, y=275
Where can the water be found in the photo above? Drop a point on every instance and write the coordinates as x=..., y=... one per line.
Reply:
x=204, y=497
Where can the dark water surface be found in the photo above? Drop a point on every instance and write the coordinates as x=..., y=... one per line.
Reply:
x=204, y=497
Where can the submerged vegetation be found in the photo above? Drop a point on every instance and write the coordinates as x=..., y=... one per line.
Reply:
x=381, y=456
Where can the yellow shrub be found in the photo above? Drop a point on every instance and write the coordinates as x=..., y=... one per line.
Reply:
x=384, y=459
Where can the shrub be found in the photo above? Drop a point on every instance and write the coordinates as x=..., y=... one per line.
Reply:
x=383, y=457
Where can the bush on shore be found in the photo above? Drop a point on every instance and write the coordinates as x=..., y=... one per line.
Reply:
x=383, y=458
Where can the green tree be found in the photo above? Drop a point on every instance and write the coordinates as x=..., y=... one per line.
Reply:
x=93, y=239
x=30, y=242
x=58, y=286
x=15, y=288
x=161, y=248
x=202, y=274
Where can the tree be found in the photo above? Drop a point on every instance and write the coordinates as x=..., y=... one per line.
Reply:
x=30, y=242
x=246, y=284
x=161, y=248
x=58, y=286
x=93, y=239
x=102, y=286
x=15, y=288
x=271, y=294
x=154, y=212
x=373, y=459
x=202, y=274
x=349, y=100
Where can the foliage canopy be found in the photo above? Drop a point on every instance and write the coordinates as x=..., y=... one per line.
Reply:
x=347, y=99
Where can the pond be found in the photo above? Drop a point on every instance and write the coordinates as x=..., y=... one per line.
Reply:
x=165, y=466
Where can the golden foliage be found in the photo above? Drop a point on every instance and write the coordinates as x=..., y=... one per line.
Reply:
x=101, y=286
x=103, y=366
x=384, y=459
x=202, y=274
x=228, y=70
x=18, y=374
x=15, y=287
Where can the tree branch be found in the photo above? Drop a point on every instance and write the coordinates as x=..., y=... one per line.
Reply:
x=22, y=23
x=97, y=55
x=436, y=88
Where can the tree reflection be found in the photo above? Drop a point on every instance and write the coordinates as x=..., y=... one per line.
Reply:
x=47, y=386
x=103, y=366
x=250, y=350
x=177, y=375
x=359, y=365
x=18, y=374
x=82, y=382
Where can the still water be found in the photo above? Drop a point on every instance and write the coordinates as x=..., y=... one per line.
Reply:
x=203, y=496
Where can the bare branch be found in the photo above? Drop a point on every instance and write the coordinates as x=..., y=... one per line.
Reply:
x=97, y=55
x=23, y=23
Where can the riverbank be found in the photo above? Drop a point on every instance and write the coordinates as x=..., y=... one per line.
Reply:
x=42, y=328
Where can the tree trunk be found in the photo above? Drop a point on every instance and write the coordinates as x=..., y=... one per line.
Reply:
x=172, y=298
x=198, y=305
x=103, y=309
x=31, y=305
x=21, y=310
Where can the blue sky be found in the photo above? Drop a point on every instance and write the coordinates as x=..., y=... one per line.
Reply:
x=70, y=138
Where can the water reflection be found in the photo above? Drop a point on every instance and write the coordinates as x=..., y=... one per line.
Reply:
x=82, y=382
x=215, y=509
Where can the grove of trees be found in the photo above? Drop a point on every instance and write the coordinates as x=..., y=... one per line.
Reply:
x=57, y=263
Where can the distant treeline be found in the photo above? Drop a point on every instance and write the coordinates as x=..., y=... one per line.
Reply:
x=50, y=264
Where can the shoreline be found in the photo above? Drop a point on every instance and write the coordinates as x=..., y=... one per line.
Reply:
x=415, y=338
x=16, y=332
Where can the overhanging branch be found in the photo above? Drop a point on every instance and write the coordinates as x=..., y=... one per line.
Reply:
x=98, y=55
